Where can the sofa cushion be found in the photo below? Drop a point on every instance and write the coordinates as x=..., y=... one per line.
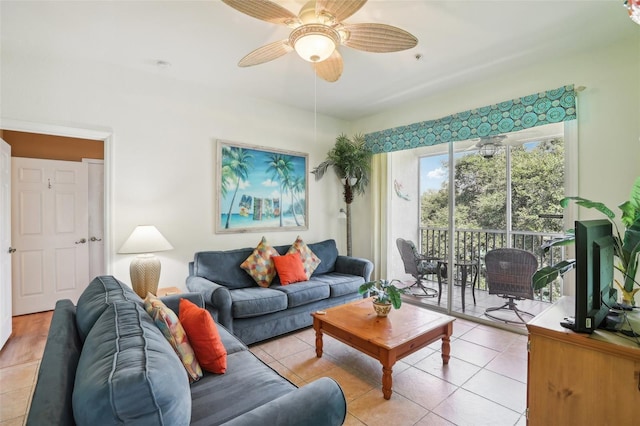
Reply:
x=304, y=292
x=100, y=293
x=259, y=265
x=290, y=268
x=309, y=260
x=251, y=302
x=223, y=267
x=339, y=284
x=217, y=399
x=169, y=324
x=204, y=337
x=327, y=252
x=129, y=374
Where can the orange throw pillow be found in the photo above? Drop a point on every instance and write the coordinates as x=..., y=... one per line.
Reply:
x=204, y=337
x=290, y=268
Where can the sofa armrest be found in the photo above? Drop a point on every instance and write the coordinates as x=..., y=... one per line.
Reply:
x=51, y=402
x=320, y=403
x=215, y=296
x=354, y=266
x=173, y=300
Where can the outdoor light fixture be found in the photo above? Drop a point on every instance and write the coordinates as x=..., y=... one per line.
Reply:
x=488, y=150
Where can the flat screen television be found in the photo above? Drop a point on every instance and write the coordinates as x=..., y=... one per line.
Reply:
x=594, y=274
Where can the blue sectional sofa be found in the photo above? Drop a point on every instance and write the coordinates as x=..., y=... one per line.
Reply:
x=254, y=313
x=106, y=362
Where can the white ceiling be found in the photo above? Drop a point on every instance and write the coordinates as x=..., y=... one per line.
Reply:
x=460, y=42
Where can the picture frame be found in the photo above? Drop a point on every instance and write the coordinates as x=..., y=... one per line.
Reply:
x=260, y=189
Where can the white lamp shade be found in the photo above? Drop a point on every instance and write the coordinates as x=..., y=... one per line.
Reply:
x=145, y=239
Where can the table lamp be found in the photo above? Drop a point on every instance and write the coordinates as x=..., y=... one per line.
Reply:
x=145, y=268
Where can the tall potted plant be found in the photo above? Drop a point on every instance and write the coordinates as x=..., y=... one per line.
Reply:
x=351, y=161
x=626, y=247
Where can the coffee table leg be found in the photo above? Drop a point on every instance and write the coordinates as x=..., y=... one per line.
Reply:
x=388, y=359
x=446, y=344
x=387, y=379
x=318, y=329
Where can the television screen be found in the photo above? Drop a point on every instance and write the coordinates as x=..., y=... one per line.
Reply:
x=594, y=273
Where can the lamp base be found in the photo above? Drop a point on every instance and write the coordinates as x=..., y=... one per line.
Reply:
x=145, y=274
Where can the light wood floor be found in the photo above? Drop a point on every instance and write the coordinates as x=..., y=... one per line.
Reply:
x=27, y=341
x=19, y=363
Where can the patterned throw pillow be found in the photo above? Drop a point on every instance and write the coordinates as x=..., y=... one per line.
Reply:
x=309, y=259
x=260, y=265
x=290, y=268
x=204, y=337
x=167, y=321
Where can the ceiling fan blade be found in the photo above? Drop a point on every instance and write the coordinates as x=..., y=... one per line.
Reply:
x=266, y=53
x=331, y=68
x=378, y=38
x=264, y=10
x=339, y=9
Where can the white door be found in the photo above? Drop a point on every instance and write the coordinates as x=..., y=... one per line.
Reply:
x=5, y=242
x=96, y=217
x=50, y=233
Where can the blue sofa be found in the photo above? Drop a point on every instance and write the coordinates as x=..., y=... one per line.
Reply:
x=254, y=313
x=105, y=362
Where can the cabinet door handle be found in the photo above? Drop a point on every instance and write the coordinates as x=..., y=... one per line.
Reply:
x=82, y=241
x=95, y=239
x=12, y=250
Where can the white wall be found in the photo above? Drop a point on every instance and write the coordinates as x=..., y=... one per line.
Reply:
x=163, y=150
x=608, y=118
x=164, y=134
x=404, y=213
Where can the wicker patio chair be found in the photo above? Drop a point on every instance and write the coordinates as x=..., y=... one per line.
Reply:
x=418, y=266
x=509, y=273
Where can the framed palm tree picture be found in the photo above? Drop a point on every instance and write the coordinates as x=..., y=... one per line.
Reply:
x=260, y=189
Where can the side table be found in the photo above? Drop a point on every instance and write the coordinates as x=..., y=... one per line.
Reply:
x=465, y=268
x=166, y=291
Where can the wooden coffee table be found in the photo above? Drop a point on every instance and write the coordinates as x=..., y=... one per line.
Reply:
x=389, y=339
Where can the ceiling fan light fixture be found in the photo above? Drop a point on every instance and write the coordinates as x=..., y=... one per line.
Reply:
x=314, y=42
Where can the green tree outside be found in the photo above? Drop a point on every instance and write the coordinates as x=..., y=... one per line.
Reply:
x=537, y=182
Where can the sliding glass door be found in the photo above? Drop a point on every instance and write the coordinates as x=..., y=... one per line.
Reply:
x=473, y=200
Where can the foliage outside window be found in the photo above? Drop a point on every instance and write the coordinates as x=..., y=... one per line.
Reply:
x=537, y=181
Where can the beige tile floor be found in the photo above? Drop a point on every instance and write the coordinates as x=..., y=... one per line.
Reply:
x=483, y=384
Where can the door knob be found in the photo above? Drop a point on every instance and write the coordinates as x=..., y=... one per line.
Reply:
x=82, y=241
x=95, y=239
x=12, y=250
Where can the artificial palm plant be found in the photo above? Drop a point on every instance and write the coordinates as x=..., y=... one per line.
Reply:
x=351, y=161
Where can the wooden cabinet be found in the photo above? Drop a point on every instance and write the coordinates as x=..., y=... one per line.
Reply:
x=576, y=378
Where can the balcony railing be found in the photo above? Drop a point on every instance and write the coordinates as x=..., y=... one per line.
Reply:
x=473, y=244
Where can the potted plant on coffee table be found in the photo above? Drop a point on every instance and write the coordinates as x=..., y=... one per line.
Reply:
x=385, y=295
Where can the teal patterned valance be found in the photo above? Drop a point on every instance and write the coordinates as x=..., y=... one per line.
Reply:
x=552, y=106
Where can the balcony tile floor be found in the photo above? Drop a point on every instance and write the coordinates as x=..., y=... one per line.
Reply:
x=484, y=300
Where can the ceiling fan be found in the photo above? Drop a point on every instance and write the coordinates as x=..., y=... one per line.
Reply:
x=318, y=30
